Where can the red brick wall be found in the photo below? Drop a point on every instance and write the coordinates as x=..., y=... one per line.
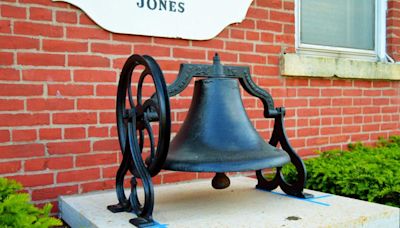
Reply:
x=58, y=77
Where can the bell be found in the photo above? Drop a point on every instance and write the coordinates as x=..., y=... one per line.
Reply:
x=217, y=135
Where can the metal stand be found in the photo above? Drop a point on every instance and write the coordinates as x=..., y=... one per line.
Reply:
x=134, y=118
x=132, y=121
x=296, y=188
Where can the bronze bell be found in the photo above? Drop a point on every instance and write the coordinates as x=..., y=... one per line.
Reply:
x=217, y=135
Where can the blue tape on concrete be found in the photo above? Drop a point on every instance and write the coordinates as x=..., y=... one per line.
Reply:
x=323, y=196
x=311, y=200
x=157, y=225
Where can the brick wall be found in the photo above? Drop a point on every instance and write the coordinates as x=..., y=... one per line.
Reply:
x=58, y=77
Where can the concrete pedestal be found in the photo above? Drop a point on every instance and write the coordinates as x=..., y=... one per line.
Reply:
x=197, y=204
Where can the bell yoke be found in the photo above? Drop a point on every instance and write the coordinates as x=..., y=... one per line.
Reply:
x=216, y=136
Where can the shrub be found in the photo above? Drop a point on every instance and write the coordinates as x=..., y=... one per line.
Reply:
x=17, y=211
x=362, y=172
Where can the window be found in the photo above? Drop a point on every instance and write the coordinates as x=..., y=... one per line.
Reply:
x=342, y=28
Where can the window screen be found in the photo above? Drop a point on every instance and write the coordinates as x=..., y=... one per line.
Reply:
x=338, y=23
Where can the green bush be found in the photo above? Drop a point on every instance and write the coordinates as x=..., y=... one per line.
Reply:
x=362, y=172
x=17, y=211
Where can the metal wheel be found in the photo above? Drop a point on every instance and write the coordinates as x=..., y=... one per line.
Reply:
x=155, y=109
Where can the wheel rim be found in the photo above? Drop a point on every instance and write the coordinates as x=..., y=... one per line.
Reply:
x=155, y=109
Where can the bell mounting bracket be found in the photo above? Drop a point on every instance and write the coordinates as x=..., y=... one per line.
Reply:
x=135, y=118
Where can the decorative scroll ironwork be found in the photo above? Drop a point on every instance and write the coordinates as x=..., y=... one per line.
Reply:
x=186, y=73
x=136, y=118
x=252, y=88
x=295, y=188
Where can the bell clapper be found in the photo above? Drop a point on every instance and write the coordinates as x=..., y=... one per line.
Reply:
x=220, y=181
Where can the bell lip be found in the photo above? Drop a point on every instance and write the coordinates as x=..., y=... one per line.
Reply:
x=232, y=166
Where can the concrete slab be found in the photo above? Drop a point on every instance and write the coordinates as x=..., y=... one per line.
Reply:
x=197, y=204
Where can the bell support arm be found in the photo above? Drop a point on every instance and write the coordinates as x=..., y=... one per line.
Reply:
x=295, y=188
x=278, y=136
x=188, y=71
x=254, y=90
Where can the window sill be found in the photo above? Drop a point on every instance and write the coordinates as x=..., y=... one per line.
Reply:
x=311, y=66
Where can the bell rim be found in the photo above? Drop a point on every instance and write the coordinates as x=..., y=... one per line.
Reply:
x=229, y=166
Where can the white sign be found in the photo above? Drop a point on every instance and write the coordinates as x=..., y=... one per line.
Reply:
x=187, y=19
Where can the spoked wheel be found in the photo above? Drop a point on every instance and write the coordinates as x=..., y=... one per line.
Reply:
x=133, y=120
x=154, y=109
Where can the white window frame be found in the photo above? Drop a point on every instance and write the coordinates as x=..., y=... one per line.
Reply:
x=379, y=53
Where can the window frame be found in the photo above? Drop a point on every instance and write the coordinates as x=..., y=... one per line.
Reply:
x=379, y=52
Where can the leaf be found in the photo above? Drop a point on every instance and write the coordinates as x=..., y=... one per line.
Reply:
x=362, y=172
x=16, y=210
